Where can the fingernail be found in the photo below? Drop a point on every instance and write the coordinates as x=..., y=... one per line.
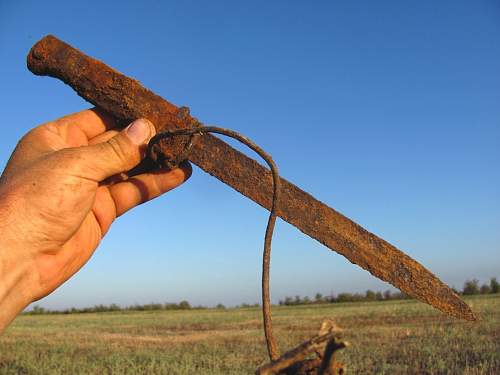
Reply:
x=139, y=131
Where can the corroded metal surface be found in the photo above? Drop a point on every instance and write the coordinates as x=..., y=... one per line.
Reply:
x=126, y=99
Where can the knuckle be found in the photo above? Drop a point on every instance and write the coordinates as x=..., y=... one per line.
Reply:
x=117, y=151
x=32, y=134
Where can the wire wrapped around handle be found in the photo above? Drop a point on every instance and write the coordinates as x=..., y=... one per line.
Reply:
x=272, y=346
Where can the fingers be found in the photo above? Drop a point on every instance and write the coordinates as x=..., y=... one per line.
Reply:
x=90, y=123
x=74, y=130
x=103, y=137
x=147, y=186
x=118, y=154
x=114, y=200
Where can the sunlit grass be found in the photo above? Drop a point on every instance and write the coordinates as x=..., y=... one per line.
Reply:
x=394, y=337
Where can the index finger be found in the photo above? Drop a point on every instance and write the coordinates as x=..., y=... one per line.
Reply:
x=74, y=130
x=91, y=122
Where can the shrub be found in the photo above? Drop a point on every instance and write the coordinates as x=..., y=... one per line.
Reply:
x=471, y=287
x=318, y=298
x=485, y=289
x=494, y=285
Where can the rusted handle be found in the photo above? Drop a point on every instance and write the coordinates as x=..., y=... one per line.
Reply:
x=126, y=99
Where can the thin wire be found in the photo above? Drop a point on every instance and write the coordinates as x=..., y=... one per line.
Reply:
x=272, y=347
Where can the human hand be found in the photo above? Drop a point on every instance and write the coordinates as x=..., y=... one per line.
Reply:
x=62, y=188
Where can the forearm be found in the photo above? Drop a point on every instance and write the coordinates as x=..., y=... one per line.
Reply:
x=14, y=280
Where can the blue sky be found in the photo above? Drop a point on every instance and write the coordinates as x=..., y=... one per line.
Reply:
x=387, y=111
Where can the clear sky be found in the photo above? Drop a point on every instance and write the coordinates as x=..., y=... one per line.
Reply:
x=388, y=111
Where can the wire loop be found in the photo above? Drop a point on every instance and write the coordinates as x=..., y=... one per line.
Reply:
x=272, y=346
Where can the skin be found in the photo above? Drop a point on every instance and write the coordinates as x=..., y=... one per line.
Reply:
x=61, y=190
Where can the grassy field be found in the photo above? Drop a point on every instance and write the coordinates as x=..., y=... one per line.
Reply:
x=400, y=337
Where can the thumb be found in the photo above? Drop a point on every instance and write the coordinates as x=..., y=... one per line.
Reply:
x=120, y=153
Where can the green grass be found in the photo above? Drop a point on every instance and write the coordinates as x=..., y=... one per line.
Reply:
x=387, y=338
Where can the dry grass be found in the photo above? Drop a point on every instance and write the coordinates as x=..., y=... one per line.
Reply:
x=388, y=338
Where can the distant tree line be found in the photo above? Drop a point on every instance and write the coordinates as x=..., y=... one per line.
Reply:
x=369, y=295
x=471, y=287
x=183, y=305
